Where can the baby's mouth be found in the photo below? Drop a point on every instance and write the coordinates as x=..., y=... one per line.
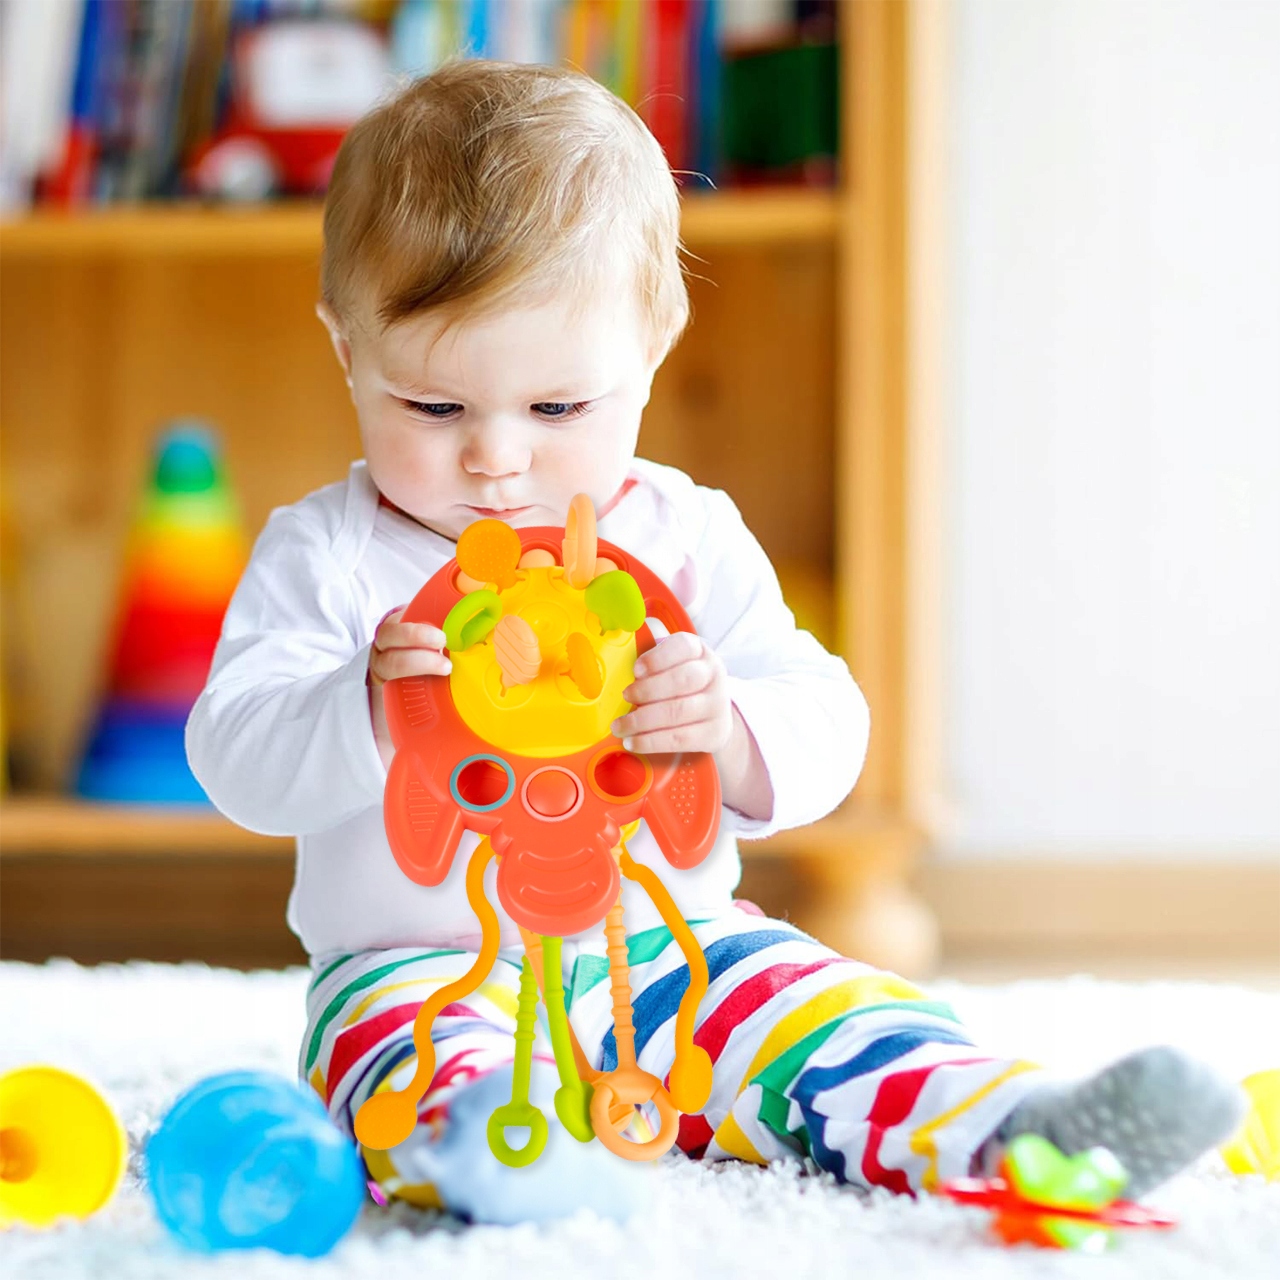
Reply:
x=498, y=513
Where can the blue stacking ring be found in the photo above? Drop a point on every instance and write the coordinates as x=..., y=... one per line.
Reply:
x=483, y=808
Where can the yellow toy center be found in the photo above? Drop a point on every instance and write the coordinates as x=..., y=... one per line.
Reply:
x=549, y=716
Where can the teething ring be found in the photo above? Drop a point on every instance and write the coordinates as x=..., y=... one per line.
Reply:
x=629, y=1088
x=578, y=550
x=488, y=551
x=517, y=1115
x=471, y=619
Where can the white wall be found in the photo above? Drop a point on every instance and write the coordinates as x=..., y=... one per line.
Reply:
x=1113, y=471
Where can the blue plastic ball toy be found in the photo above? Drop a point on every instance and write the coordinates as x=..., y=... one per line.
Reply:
x=248, y=1160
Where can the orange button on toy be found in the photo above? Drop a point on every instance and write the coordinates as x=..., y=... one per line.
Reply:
x=552, y=793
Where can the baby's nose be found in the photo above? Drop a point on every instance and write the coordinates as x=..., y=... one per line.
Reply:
x=493, y=451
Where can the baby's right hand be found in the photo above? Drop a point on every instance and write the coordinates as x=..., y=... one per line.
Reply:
x=401, y=649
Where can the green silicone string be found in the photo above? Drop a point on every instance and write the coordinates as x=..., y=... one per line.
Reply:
x=519, y=1112
x=573, y=1098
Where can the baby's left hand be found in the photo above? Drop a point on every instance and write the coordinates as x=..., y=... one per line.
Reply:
x=681, y=699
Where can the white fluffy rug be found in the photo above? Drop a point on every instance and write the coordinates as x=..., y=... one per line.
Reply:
x=143, y=1032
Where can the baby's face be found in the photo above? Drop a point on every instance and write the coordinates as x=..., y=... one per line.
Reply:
x=506, y=414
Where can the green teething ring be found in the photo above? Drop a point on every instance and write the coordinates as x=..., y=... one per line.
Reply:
x=615, y=599
x=471, y=619
x=517, y=1115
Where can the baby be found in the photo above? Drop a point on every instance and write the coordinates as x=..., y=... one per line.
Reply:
x=500, y=281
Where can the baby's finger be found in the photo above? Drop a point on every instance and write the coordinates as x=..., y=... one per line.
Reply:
x=408, y=635
x=395, y=664
x=675, y=682
x=668, y=652
x=687, y=737
x=669, y=714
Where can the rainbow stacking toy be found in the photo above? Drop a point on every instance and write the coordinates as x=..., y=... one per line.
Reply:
x=185, y=555
x=543, y=627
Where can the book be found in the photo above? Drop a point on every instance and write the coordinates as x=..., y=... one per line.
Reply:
x=39, y=41
x=705, y=92
x=665, y=82
x=107, y=100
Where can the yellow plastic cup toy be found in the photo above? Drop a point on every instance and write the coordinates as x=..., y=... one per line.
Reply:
x=1256, y=1147
x=62, y=1150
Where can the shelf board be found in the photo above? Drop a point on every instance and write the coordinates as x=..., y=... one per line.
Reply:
x=63, y=824
x=760, y=216
x=34, y=825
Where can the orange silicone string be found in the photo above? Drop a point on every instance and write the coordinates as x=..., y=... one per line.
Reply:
x=387, y=1119
x=691, y=1072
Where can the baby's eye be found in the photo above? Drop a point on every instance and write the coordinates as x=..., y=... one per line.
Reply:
x=433, y=408
x=559, y=410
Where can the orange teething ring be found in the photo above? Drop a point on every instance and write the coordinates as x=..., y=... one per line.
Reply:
x=579, y=546
x=628, y=1087
x=488, y=551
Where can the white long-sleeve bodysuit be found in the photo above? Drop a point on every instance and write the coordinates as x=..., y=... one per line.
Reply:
x=281, y=737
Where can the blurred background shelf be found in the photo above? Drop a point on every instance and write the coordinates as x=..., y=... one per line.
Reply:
x=752, y=217
x=787, y=392
x=43, y=824
x=98, y=883
x=32, y=825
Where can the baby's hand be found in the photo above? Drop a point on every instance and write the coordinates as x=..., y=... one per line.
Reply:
x=681, y=699
x=401, y=649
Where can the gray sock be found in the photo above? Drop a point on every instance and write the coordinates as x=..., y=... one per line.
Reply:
x=1155, y=1110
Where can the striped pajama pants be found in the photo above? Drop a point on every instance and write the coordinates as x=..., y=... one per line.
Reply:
x=814, y=1054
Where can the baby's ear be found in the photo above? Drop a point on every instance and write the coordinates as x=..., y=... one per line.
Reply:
x=337, y=335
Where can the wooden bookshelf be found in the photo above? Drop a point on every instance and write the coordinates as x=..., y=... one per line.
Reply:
x=35, y=825
x=788, y=392
x=107, y=882
x=758, y=217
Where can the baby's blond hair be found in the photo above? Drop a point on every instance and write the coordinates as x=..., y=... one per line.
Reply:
x=487, y=180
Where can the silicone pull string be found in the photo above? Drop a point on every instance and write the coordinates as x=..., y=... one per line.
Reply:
x=624, y=1031
x=628, y=1084
x=691, y=1073
x=573, y=1098
x=387, y=1119
x=520, y=1112
x=621, y=1114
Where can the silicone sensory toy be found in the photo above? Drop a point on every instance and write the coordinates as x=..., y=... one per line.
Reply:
x=185, y=555
x=62, y=1150
x=543, y=627
x=249, y=1160
x=1043, y=1197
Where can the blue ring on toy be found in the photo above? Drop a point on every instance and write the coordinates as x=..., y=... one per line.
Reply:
x=482, y=808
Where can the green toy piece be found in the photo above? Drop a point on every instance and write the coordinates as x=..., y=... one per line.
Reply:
x=1090, y=1180
x=615, y=599
x=471, y=619
x=1042, y=1173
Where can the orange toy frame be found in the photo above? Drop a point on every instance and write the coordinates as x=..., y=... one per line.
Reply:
x=556, y=823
